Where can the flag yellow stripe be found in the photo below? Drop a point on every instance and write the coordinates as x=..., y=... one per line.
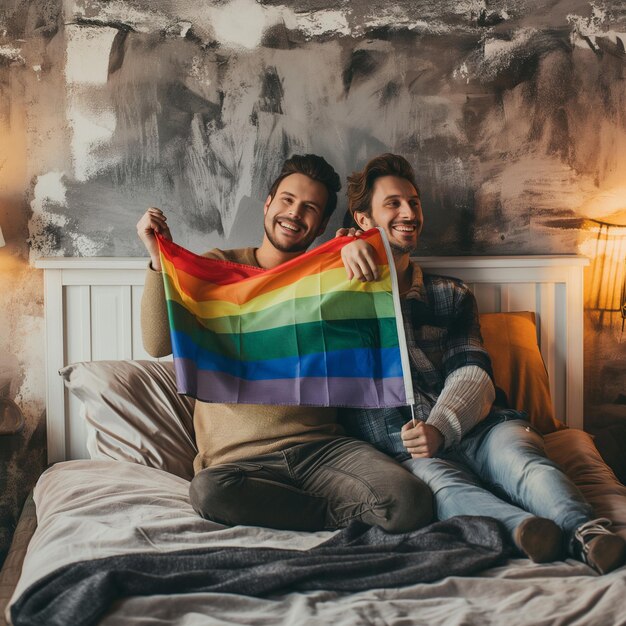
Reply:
x=325, y=282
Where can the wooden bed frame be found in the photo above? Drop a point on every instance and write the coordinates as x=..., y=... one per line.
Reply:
x=92, y=313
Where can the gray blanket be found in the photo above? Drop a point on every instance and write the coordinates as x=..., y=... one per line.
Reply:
x=358, y=558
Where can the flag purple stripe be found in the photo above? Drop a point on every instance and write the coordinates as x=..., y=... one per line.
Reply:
x=211, y=386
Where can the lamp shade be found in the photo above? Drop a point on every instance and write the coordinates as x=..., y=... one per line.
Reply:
x=2, y=242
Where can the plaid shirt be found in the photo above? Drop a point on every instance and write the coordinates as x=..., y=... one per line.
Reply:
x=442, y=335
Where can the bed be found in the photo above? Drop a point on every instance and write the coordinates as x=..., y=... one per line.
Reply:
x=120, y=442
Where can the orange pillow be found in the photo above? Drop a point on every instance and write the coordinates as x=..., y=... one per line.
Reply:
x=511, y=340
x=576, y=453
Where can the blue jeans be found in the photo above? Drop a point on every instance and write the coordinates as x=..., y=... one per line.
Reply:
x=500, y=470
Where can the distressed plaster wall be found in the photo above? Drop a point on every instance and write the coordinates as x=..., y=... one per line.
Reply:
x=26, y=119
x=513, y=114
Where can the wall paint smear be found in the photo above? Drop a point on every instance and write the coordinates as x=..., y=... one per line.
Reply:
x=489, y=105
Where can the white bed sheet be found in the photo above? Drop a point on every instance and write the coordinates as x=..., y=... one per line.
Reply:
x=94, y=509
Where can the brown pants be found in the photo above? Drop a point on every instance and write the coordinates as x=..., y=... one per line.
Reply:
x=314, y=486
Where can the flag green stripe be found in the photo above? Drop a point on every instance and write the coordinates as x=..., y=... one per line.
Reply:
x=293, y=340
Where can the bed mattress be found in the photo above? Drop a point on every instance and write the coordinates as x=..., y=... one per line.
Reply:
x=94, y=509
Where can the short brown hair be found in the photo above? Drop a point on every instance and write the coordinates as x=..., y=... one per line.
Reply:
x=361, y=184
x=316, y=168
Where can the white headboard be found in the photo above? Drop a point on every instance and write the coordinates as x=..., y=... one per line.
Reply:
x=92, y=313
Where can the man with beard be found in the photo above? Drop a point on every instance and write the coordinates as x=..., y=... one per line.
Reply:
x=287, y=467
x=460, y=445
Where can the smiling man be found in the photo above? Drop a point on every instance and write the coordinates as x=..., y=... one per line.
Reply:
x=290, y=228
x=463, y=448
x=286, y=467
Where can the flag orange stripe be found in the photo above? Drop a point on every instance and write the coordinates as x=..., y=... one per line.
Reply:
x=254, y=286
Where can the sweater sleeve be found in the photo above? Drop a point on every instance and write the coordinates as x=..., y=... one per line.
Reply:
x=465, y=400
x=155, y=329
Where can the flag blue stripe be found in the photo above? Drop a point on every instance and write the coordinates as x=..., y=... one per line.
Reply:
x=355, y=363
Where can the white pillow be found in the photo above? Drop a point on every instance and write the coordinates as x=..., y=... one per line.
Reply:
x=134, y=413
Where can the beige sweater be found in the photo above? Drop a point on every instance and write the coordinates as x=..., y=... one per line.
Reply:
x=229, y=432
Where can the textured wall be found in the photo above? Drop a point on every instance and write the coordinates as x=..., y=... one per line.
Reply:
x=24, y=39
x=513, y=114
x=513, y=119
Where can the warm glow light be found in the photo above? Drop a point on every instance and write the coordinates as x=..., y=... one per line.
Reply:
x=604, y=241
x=607, y=206
x=605, y=244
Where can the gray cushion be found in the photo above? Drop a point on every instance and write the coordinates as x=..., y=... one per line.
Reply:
x=134, y=413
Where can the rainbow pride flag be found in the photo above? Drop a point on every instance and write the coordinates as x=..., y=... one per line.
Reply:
x=300, y=333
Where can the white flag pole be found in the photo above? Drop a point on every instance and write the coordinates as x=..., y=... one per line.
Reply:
x=404, y=353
